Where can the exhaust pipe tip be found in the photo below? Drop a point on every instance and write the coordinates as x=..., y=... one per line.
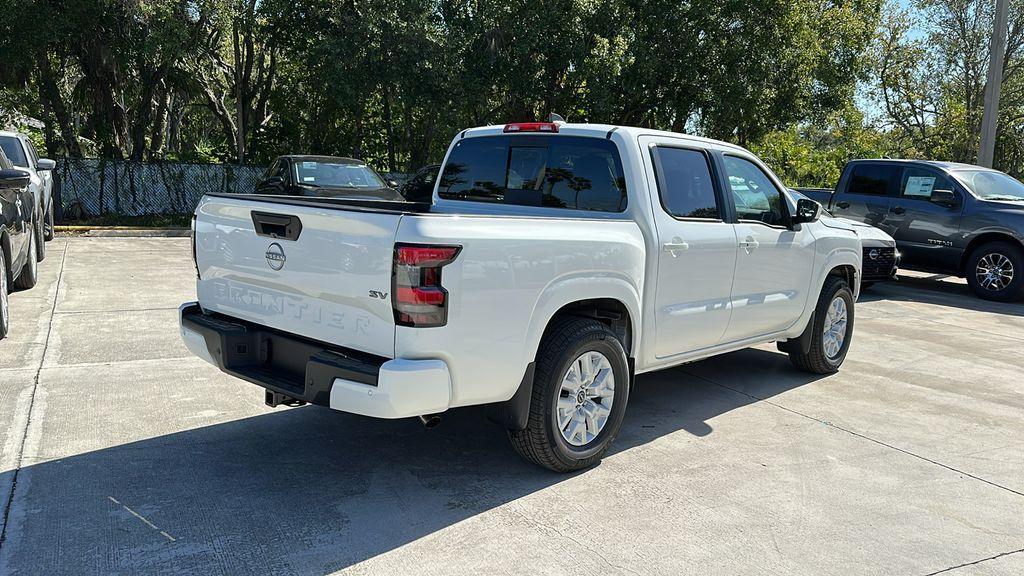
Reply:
x=430, y=420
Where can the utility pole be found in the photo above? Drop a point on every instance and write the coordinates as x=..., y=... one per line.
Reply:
x=990, y=118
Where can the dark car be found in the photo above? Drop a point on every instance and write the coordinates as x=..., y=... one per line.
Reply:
x=17, y=237
x=948, y=218
x=325, y=176
x=420, y=188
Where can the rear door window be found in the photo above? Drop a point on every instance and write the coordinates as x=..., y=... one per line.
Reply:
x=686, y=184
x=570, y=172
x=874, y=179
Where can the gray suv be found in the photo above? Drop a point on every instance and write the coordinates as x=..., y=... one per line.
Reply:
x=949, y=218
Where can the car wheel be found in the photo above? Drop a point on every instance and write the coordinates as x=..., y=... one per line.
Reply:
x=831, y=329
x=4, y=308
x=995, y=271
x=580, y=390
x=29, y=273
x=48, y=224
x=38, y=230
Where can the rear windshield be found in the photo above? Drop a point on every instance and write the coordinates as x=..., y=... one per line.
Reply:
x=553, y=171
x=15, y=153
x=346, y=175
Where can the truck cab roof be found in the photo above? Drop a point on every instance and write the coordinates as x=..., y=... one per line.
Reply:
x=603, y=131
x=948, y=166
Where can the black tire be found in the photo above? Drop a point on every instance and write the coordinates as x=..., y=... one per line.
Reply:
x=5, y=319
x=48, y=223
x=1001, y=252
x=816, y=360
x=542, y=442
x=37, y=229
x=29, y=272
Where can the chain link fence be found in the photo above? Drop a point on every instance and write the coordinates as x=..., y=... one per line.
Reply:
x=90, y=187
x=95, y=186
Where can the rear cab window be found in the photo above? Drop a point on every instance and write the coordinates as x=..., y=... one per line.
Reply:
x=570, y=172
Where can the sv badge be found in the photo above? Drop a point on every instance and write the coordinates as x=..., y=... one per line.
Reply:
x=378, y=295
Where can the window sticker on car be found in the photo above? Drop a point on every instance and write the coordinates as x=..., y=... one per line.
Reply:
x=309, y=164
x=919, y=186
x=308, y=178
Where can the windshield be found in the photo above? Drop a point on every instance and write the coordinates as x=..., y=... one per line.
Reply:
x=992, y=185
x=15, y=153
x=328, y=175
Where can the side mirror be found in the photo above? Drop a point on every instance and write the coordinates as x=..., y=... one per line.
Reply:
x=13, y=179
x=273, y=181
x=45, y=164
x=807, y=210
x=393, y=183
x=945, y=198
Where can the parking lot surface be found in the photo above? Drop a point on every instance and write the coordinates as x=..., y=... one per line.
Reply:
x=124, y=454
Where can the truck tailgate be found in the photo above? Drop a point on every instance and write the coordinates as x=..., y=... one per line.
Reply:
x=321, y=272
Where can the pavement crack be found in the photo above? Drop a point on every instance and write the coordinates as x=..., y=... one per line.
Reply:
x=958, y=566
x=859, y=435
x=19, y=459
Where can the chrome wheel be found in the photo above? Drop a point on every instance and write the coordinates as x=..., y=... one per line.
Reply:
x=834, y=332
x=585, y=398
x=994, y=272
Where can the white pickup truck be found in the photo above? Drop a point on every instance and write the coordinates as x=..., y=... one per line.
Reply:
x=555, y=262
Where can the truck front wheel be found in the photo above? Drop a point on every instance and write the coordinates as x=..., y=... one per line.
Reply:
x=831, y=330
x=995, y=271
x=580, y=390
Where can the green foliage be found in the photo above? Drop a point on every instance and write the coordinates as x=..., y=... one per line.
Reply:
x=393, y=81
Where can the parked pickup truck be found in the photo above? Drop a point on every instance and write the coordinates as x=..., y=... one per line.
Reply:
x=555, y=262
x=879, y=255
x=949, y=218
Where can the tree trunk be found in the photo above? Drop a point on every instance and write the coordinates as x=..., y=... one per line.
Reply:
x=53, y=104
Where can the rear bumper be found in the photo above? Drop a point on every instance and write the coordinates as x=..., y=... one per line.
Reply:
x=315, y=372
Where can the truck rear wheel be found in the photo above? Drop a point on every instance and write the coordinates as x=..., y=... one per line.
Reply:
x=831, y=329
x=580, y=390
x=995, y=271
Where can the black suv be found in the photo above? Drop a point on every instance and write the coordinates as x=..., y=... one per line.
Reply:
x=948, y=218
x=329, y=176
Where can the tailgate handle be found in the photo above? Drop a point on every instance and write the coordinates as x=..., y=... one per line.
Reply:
x=280, y=226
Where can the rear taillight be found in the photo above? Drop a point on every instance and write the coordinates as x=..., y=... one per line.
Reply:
x=416, y=294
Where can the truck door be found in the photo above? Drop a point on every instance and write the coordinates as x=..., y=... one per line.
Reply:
x=696, y=252
x=866, y=191
x=774, y=262
x=926, y=232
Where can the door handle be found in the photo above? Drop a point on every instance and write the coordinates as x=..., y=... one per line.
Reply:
x=675, y=245
x=897, y=210
x=749, y=244
x=842, y=205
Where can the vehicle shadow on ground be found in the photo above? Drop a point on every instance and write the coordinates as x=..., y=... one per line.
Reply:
x=933, y=290
x=311, y=491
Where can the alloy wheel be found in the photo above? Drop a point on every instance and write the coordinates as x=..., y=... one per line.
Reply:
x=585, y=398
x=994, y=272
x=834, y=332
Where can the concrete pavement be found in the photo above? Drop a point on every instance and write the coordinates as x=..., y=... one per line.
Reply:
x=123, y=454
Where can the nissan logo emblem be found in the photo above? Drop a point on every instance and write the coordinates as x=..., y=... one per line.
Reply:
x=275, y=256
x=873, y=254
